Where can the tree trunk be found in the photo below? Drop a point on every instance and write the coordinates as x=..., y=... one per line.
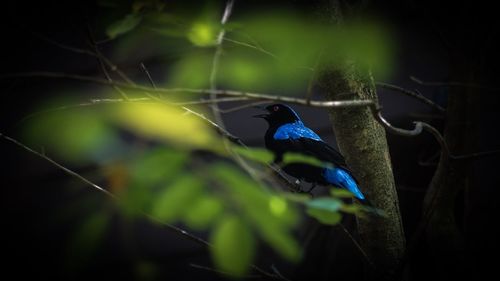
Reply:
x=363, y=143
x=445, y=230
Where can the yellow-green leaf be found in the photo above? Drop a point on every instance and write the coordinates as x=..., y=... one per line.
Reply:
x=167, y=123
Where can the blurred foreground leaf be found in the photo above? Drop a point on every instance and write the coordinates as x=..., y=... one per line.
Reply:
x=203, y=211
x=86, y=238
x=79, y=136
x=325, y=210
x=167, y=123
x=233, y=246
x=177, y=198
x=272, y=219
x=123, y=25
x=325, y=217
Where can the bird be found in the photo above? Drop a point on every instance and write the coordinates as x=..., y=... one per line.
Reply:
x=288, y=133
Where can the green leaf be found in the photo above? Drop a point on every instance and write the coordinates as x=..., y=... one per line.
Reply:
x=157, y=165
x=291, y=157
x=78, y=136
x=203, y=212
x=281, y=240
x=177, y=198
x=86, y=238
x=272, y=216
x=341, y=193
x=233, y=246
x=124, y=25
x=326, y=204
x=203, y=34
x=352, y=209
x=255, y=154
x=326, y=217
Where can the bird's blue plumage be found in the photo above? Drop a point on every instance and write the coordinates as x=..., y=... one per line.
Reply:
x=287, y=133
x=342, y=178
x=294, y=131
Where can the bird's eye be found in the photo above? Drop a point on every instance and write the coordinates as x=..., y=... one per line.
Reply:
x=276, y=108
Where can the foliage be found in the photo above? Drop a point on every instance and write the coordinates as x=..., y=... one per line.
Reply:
x=149, y=153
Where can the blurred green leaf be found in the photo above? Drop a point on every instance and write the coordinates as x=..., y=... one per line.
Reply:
x=167, y=123
x=203, y=211
x=291, y=157
x=203, y=34
x=325, y=203
x=192, y=71
x=282, y=34
x=177, y=198
x=233, y=246
x=298, y=197
x=79, y=136
x=255, y=154
x=124, y=25
x=272, y=216
x=86, y=238
x=326, y=217
x=352, y=209
x=157, y=165
x=341, y=193
x=154, y=168
x=325, y=210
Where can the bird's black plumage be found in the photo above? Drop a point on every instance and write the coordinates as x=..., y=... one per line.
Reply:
x=287, y=133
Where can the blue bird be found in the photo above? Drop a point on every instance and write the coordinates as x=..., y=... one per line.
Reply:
x=287, y=133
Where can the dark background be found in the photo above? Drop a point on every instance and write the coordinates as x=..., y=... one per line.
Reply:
x=430, y=36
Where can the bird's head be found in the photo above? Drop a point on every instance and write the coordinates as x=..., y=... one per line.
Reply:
x=279, y=114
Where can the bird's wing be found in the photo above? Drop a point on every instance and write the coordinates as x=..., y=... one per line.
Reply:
x=322, y=151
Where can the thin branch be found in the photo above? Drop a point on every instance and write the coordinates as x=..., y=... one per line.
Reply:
x=215, y=62
x=175, y=229
x=452, y=84
x=475, y=155
x=102, y=63
x=240, y=107
x=358, y=246
x=53, y=162
x=150, y=79
x=413, y=94
x=258, y=48
x=250, y=95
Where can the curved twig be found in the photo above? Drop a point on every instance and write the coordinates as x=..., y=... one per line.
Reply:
x=413, y=94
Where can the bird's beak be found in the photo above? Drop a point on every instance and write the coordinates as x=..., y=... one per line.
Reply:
x=264, y=116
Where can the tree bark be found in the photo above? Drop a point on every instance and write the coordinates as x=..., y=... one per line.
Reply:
x=363, y=143
x=444, y=232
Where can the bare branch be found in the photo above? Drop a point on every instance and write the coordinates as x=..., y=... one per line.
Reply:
x=475, y=155
x=250, y=95
x=175, y=229
x=413, y=94
x=150, y=79
x=102, y=63
x=452, y=84
x=358, y=246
